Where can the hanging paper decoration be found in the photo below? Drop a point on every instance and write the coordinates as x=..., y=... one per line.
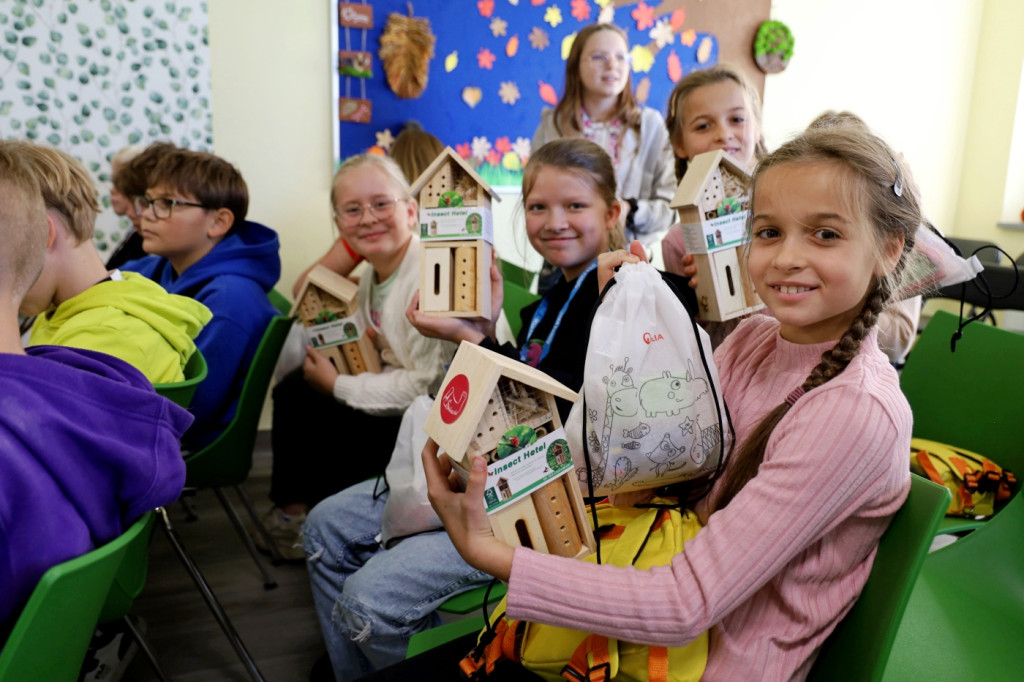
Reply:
x=406, y=47
x=354, y=63
x=773, y=46
x=485, y=58
x=644, y=16
x=352, y=15
x=451, y=61
x=472, y=95
x=547, y=93
x=513, y=46
x=538, y=38
x=355, y=110
x=580, y=10
x=498, y=27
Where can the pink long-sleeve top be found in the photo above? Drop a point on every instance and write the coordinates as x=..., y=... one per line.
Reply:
x=774, y=572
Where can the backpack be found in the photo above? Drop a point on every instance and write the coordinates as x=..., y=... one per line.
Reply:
x=977, y=483
x=639, y=536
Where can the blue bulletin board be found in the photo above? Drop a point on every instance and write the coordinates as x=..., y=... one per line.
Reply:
x=498, y=63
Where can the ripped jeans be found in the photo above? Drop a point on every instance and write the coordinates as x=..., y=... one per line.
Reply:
x=371, y=600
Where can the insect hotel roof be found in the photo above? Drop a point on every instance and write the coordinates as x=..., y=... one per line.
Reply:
x=329, y=282
x=448, y=156
x=699, y=172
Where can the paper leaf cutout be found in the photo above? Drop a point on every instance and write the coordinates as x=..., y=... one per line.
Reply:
x=514, y=3
x=451, y=61
x=704, y=51
x=603, y=3
x=509, y=92
x=553, y=15
x=675, y=67
x=644, y=16
x=678, y=19
x=481, y=148
x=567, y=45
x=537, y=3
x=471, y=95
x=580, y=10
x=384, y=138
x=662, y=34
x=606, y=15
x=538, y=38
x=463, y=150
x=498, y=27
x=547, y=93
x=486, y=8
x=643, y=90
x=688, y=37
x=485, y=58
x=642, y=59
x=512, y=46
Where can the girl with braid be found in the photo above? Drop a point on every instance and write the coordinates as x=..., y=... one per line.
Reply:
x=792, y=525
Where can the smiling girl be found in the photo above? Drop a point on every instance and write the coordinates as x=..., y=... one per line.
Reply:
x=792, y=525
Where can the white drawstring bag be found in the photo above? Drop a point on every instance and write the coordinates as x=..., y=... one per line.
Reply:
x=652, y=411
x=407, y=510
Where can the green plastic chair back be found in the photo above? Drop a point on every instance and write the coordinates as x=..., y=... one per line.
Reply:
x=181, y=392
x=131, y=574
x=470, y=601
x=434, y=637
x=52, y=634
x=227, y=460
x=516, y=298
x=859, y=646
x=279, y=301
x=965, y=619
x=521, y=277
x=973, y=398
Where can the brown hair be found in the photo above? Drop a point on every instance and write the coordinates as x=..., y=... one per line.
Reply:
x=382, y=163
x=414, y=149
x=585, y=159
x=568, y=121
x=718, y=73
x=132, y=177
x=23, y=225
x=65, y=185
x=879, y=185
x=211, y=180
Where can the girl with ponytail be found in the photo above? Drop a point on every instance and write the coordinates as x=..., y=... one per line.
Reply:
x=793, y=523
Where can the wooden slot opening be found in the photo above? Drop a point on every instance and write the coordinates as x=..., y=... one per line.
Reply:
x=524, y=534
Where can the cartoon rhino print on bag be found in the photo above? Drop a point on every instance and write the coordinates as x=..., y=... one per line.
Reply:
x=671, y=394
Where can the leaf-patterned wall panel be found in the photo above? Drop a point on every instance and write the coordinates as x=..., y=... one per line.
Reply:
x=93, y=76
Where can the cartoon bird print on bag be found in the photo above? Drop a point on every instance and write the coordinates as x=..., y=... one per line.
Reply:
x=671, y=394
x=665, y=455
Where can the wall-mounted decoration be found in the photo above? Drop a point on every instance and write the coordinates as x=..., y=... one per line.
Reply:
x=773, y=46
x=406, y=47
x=356, y=64
x=93, y=77
x=502, y=62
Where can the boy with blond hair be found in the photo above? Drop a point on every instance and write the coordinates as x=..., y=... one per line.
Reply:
x=86, y=445
x=201, y=246
x=82, y=304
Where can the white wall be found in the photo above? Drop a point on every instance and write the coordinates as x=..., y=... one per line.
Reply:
x=904, y=66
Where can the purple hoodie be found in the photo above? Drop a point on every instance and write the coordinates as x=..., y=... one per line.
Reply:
x=86, y=446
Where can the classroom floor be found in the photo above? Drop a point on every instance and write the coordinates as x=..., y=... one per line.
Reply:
x=279, y=627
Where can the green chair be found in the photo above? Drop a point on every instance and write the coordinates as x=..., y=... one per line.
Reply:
x=516, y=298
x=428, y=639
x=470, y=601
x=859, y=646
x=965, y=619
x=280, y=301
x=227, y=460
x=972, y=398
x=521, y=277
x=52, y=634
x=181, y=392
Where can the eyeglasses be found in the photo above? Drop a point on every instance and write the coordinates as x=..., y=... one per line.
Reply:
x=604, y=60
x=162, y=206
x=351, y=214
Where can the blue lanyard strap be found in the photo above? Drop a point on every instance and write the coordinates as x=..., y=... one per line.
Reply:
x=538, y=315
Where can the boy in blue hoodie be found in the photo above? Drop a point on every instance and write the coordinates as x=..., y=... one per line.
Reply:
x=86, y=446
x=201, y=245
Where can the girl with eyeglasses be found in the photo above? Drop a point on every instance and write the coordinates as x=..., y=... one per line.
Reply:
x=598, y=104
x=331, y=429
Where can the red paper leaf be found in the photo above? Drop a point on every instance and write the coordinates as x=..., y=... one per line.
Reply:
x=547, y=93
x=486, y=7
x=678, y=19
x=675, y=68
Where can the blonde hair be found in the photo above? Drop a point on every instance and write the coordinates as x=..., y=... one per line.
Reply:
x=719, y=73
x=568, y=120
x=122, y=156
x=23, y=226
x=65, y=185
x=878, y=183
x=586, y=160
x=414, y=149
x=381, y=163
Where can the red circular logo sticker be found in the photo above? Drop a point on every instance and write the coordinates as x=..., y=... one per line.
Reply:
x=454, y=398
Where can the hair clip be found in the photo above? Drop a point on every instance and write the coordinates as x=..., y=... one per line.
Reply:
x=795, y=395
x=897, y=187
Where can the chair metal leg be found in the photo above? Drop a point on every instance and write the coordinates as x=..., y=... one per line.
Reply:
x=146, y=649
x=257, y=522
x=269, y=582
x=188, y=504
x=210, y=598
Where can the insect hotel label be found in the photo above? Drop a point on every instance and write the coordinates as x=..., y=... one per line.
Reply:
x=456, y=223
x=723, y=232
x=335, y=332
x=525, y=469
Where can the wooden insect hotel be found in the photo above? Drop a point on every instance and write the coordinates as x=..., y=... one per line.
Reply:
x=505, y=411
x=713, y=200
x=327, y=307
x=456, y=237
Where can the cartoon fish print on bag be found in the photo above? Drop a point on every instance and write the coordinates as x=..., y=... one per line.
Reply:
x=641, y=430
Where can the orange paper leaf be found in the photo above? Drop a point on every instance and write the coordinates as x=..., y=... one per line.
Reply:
x=486, y=7
x=678, y=19
x=512, y=46
x=547, y=93
x=675, y=68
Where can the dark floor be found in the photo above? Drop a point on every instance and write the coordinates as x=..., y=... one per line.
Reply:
x=279, y=627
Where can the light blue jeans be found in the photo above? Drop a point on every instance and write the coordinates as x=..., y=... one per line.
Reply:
x=371, y=600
